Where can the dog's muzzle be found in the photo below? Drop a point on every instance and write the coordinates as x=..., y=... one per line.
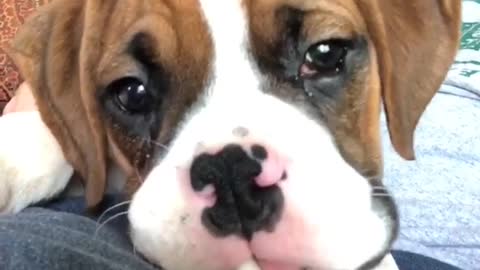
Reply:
x=246, y=203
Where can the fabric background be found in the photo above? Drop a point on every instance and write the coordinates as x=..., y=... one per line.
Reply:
x=465, y=72
x=439, y=194
x=12, y=15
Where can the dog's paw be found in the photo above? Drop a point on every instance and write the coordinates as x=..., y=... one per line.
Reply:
x=32, y=164
x=4, y=196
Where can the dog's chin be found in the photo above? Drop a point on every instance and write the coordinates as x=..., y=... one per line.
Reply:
x=266, y=264
x=253, y=263
x=170, y=234
x=293, y=245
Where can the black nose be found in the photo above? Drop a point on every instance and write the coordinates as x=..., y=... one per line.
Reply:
x=242, y=207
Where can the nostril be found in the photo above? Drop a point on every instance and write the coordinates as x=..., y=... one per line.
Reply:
x=259, y=152
x=206, y=170
x=274, y=168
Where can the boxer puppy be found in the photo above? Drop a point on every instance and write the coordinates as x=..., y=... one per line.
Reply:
x=247, y=130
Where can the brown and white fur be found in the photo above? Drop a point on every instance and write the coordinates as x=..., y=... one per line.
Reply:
x=247, y=157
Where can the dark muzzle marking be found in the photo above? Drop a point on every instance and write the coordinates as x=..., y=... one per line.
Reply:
x=242, y=207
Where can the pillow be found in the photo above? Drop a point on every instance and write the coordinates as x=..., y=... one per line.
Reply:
x=12, y=16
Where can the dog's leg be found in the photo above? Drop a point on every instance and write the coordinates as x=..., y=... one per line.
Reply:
x=32, y=164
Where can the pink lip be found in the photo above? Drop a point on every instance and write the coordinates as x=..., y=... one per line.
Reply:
x=271, y=265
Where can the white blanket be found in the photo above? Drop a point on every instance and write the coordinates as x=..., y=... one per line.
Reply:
x=439, y=193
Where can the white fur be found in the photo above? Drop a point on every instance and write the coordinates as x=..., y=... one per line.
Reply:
x=32, y=165
x=323, y=187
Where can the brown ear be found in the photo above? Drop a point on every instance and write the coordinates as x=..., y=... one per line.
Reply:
x=47, y=52
x=416, y=42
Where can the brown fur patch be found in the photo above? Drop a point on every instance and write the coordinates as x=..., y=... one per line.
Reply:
x=71, y=50
x=401, y=38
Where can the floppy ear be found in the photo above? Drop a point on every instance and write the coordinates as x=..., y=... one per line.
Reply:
x=47, y=51
x=416, y=42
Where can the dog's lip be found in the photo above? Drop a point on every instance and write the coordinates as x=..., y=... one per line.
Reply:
x=278, y=265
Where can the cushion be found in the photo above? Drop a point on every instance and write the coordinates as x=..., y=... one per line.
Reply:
x=12, y=15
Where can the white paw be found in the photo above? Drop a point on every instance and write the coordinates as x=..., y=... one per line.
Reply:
x=32, y=164
x=4, y=195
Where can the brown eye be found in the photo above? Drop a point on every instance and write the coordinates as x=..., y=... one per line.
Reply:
x=131, y=95
x=325, y=58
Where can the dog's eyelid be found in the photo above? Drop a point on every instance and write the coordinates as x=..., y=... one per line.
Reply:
x=135, y=71
x=138, y=73
x=347, y=42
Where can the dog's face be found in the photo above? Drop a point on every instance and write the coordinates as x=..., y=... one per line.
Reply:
x=248, y=129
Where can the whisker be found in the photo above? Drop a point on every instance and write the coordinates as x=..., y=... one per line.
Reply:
x=139, y=178
x=111, y=208
x=381, y=195
x=108, y=220
x=164, y=147
x=380, y=191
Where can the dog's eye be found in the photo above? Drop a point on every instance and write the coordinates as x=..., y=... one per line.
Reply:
x=131, y=95
x=324, y=58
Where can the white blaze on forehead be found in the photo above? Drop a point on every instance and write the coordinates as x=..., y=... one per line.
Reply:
x=233, y=72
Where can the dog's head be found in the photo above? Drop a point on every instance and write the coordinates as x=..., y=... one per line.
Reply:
x=253, y=123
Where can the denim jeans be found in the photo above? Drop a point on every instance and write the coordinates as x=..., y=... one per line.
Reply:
x=57, y=236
